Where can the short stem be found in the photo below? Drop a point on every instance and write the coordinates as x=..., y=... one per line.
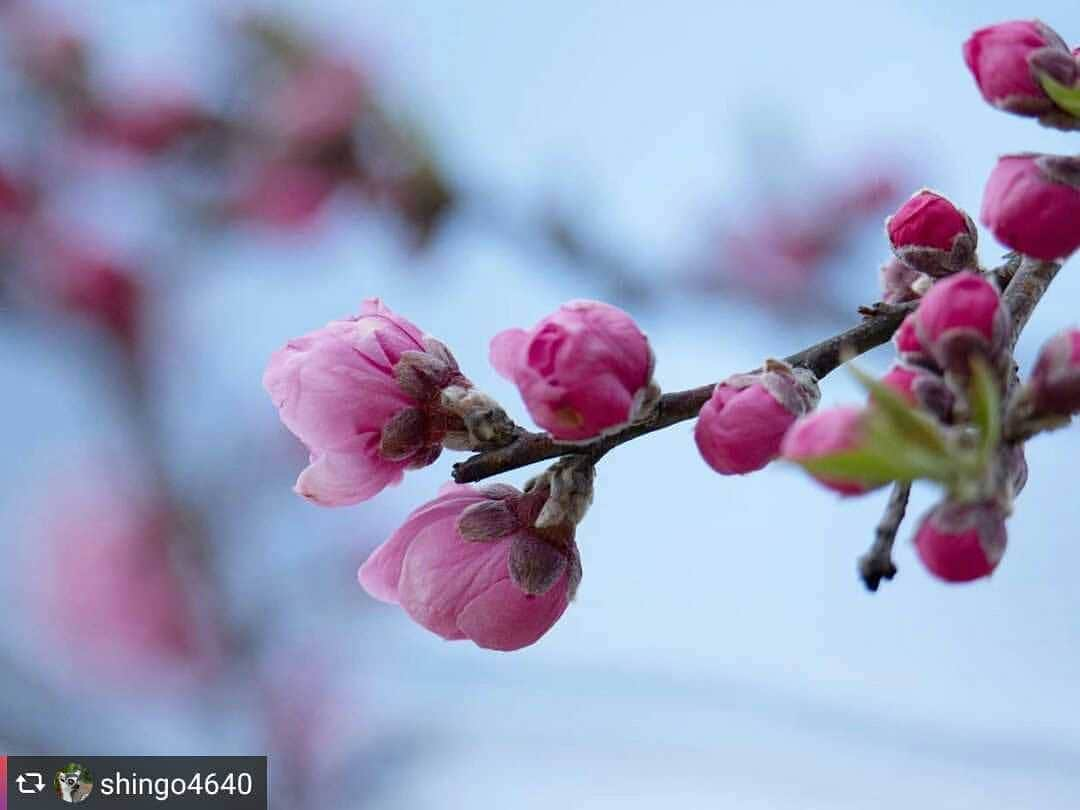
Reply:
x=1024, y=292
x=877, y=564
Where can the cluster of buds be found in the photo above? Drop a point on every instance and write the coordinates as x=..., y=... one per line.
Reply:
x=933, y=415
x=373, y=396
x=1024, y=67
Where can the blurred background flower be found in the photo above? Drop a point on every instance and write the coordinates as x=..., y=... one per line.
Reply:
x=185, y=186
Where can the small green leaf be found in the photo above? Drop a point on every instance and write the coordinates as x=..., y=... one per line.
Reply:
x=913, y=424
x=1068, y=98
x=985, y=402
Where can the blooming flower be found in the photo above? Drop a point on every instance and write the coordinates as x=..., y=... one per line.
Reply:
x=470, y=564
x=584, y=370
x=371, y=397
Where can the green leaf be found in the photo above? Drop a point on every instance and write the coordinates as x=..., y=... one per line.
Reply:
x=1068, y=98
x=985, y=402
x=913, y=424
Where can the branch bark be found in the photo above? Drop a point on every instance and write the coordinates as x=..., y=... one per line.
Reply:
x=877, y=563
x=821, y=358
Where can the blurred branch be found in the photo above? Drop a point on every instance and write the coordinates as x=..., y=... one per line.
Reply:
x=679, y=406
x=877, y=564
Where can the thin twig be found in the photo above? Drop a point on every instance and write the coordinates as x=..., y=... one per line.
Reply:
x=821, y=358
x=877, y=564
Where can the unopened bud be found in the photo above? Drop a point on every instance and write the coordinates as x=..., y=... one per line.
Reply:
x=960, y=317
x=931, y=235
x=960, y=542
x=1032, y=204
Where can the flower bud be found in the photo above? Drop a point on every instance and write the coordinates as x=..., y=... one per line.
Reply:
x=371, y=397
x=961, y=316
x=741, y=427
x=583, y=371
x=1032, y=204
x=471, y=564
x=1006, y=60
x=1054, y=386
x=907, y=343
x=899, y=283
x=930, y=234
x=922, y=388
x=826, y=433
x=960, y=542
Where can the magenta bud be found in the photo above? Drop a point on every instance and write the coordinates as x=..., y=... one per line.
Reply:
x=962, y=316
x=922, y=388
x=826, y=433
x=1032, y=204
x=961, y=542
x=1006, y=60
x=931, y=235
x=583, y=371
x=742, y=425
x=1055, y=381
x=907, y=343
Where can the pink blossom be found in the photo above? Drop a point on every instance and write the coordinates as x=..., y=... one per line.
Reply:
x=282, y=194
x=827, y=433
x=959, y=316
x=146, y=125
x=108, y=583
x=583, y=370
x=742, y=425
x=1032, y=204
x=907, y=343
x=1002, y=59
x=921, y=387
x=503, y=588
x=74, y=273
x=961, y=542
x=930, y=234
x=1055, y=380
x=318, y=103
x=336, y=389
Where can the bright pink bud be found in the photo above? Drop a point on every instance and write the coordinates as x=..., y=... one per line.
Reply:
x=1032, y=204
x=584, y=370
x=961, y=542
x=960, y=316
x=826, y=433
x=742, y=425
x=1055, y=381
x=1007, y=58
x=371, y=397
x=470, y=565
x=899, y=283
x=930, y=234
x=921, y=387
x=907, y=343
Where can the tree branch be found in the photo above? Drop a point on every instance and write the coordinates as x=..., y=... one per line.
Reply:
x=1025, y=291
x=821, y=358
x=877, y=564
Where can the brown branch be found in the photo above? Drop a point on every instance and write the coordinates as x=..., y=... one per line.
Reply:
x=1025, y=291
x=877, y=564
x=821, y=358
